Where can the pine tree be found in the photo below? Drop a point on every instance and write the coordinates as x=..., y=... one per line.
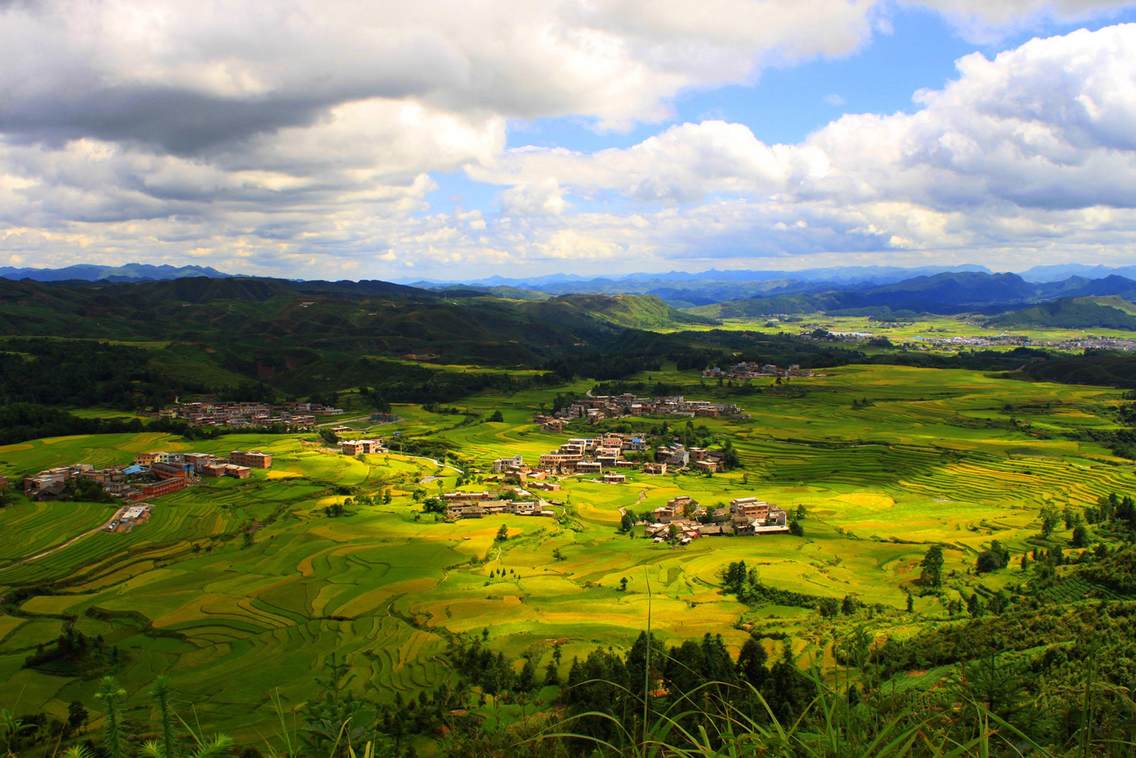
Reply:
x=932, y=573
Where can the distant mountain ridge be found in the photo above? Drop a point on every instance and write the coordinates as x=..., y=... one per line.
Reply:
x=685, y=289
x=129, y=272
x=946, y=293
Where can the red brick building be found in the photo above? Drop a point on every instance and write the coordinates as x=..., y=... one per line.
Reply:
x=252, y=459
x=157, y=489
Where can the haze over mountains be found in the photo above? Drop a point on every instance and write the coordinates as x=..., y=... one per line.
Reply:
x=128, y=272
x=651, y=300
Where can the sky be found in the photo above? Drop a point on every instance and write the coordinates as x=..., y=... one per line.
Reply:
x=454, y=140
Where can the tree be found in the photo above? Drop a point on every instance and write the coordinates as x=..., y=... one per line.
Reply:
x=1080, y=536
x=973, y=606
x=76, y=716
x=796, y=529
x=502, y=533
x=623, y=584
x=932, y=568
x=527, y=680
x=496, y=417
x=994, y=558
x=1050, y=518
x=910, y=603
x=626, y=522
x=751, y=663
x=730, y=456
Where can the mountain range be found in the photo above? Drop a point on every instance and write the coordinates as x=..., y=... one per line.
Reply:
x=945, y=293
x=86, y=272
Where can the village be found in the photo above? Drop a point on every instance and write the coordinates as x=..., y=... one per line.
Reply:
x=747, y=370
x=595, y=408
x=248, y=415
x=682, y=519
x=150, y=476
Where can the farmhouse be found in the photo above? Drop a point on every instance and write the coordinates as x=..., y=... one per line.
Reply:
x=673, y=455
x=559, y=462
x=466, y=497
x=135, y=512
x=47, y=484
x=197, y=461
x=171, y=470
x=502, y=465
x=479, y=508
x=360, y=447
x=589, y=467
x=157, y=489
x=252, y=459
x=613, y=478
x=654, y=468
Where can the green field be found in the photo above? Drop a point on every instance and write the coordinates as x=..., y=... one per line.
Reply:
x=906, y=330
x=948, y=457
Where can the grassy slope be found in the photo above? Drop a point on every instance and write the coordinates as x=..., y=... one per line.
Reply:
x=632, y=311
x=1073, y=313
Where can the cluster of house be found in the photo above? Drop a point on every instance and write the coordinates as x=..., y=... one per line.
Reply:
x=150, y=476
x=292, y=416
x=678, y=456
x=595, y=408
x=754, y=370
x=593, y=455
x=687, y=520
x=360, y=447
x=461, y=505
x=601, y=455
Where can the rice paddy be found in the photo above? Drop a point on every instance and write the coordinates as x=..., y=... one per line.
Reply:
x=954, y=458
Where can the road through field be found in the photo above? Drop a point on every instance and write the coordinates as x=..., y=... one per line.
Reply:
x=61, y=546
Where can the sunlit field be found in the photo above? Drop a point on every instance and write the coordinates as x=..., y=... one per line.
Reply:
x=948, y=457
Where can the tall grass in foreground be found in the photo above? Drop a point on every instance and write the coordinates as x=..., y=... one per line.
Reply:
x=702, y=723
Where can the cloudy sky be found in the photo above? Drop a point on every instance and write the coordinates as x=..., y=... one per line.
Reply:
x=455, y=139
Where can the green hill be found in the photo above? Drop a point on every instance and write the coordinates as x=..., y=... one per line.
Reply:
x=1073, y=313
x=632, y=311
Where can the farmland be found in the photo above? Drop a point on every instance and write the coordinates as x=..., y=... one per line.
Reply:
x=241, y=589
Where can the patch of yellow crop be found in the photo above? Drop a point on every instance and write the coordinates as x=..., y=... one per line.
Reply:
x=9, y=624
x=867, y=500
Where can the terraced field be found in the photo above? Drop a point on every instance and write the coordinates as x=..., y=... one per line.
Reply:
x=946, y=457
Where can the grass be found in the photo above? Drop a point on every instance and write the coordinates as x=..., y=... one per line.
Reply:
x=934, y=458
x=903, y=331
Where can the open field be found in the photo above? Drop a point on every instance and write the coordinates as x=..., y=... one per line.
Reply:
x=946, y=457
x=903, y=331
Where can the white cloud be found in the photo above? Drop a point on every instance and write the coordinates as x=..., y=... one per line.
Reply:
x=1026, y=149
x=989, y=20
x=305, y=138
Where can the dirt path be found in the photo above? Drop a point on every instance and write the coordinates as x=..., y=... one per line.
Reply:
x=68, y=543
